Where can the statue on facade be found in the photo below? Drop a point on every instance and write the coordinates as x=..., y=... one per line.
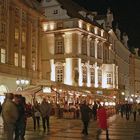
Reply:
x=125, y=39
x=110, y=18
x=76, y=76
x=118, y=33
x=136, y=51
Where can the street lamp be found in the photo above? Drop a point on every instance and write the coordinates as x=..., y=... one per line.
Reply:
x=21, y=83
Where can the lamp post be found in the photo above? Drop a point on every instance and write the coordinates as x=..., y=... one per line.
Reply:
x=21, y=83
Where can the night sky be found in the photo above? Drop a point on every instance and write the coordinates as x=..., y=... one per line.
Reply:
x=126, y=13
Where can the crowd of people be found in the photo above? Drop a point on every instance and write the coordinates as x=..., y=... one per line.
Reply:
x=15, y=112
x=126, y=109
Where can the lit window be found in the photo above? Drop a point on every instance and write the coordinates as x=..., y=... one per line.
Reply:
x=99, y=77
x=23, y=61
x=92, y=74
x=3, y=55
x=59, y=45
x=16, y=33
x=16, y=59
x=84, y=74
x=109, y=78
x=59, y=73
x=33, y=64
x=23, y=36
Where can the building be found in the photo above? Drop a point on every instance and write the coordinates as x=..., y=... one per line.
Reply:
x=76, y=50
x=20, y=34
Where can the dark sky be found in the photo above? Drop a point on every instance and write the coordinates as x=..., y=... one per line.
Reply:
x=126, y=13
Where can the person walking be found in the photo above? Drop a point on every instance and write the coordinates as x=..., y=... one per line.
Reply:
x=122, y=109
x=10, y=116
x=134, y=110
x=36, y=117
x=127, y=110
x=21, y=122
x=94, y=111
x=45, y=110
x=102, y=121
x=85, y=116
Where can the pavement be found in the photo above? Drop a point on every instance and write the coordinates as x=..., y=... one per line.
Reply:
x=70, y=129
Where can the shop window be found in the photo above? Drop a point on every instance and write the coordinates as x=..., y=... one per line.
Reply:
x=3, y=56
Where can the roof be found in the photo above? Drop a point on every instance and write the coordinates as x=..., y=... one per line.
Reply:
x=73, y=11
x=34, y=4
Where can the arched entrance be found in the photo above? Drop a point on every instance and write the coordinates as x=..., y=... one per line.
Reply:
x=3, y=90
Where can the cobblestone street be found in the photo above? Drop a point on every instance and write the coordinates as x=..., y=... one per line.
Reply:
x=70, y=129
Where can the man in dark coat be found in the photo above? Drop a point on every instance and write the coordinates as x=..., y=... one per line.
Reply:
x=85, y=116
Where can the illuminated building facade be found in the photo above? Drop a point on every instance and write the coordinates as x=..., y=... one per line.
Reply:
x=77, y=51
x=20, y=30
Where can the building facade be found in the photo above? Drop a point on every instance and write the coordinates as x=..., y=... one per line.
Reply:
x=76, y=51
x=20, y=32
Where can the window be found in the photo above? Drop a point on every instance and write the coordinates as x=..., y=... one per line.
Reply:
x=3, y=55
x=92, y=74
x=23, y=61
x=109, y=78
x=17, y=12
x=16, y=59
x=99, y=51
x=33, y=64
x=99, y=77
x=92, y=48
x=84, y=74
x=60, y=25
x=3, y=28
x=23, y=36
x=55, y=12
x=84, y=46
x=16, y=33
x=59, y=45
x=59, y=73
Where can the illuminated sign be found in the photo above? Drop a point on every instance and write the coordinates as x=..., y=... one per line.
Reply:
x=46, y=90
